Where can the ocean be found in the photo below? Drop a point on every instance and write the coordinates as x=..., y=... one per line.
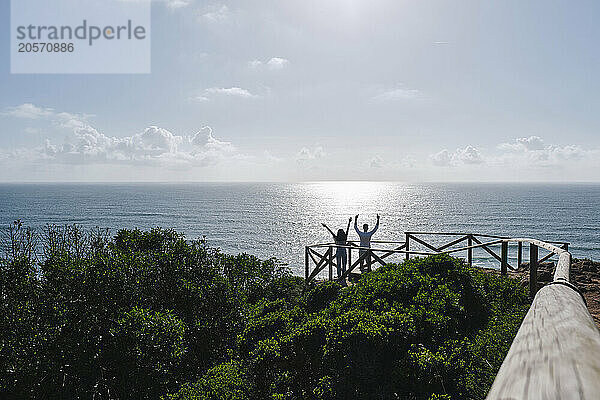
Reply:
x=279, y=219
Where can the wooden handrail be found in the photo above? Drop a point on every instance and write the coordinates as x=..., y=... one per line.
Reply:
x=556, y=352
x=477, y=234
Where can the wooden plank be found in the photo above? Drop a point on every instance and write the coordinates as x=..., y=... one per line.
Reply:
x=483, y=236
x=424, y=243
x=393, y=251
x=378, y=259
x=447, y=234
x=539, y=243
x=458, y=234
x=407, y=245
x=357, y=262
x=520, y=255
x=452, y=243
x=318, y=267
x=330, y=263
x=349, y=263
x=499, y=241
x=504, y=257
x=533, y=267
x=556, y=352
x=310, y=254
x=470, y=251
x=483, y=246
x=306, y=272
x=551, y=254
x=351, y=267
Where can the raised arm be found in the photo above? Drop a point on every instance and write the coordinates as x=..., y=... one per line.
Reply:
x=376, y=226
x=348, y=227
x=330, y=231
x=356, y=226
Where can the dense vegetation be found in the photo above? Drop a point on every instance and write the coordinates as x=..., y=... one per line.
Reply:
x=149, y=314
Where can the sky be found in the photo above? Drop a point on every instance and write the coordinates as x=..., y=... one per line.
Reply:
x=305, y=90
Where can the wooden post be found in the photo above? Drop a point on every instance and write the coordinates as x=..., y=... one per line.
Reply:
x=566, y=246
x=349, y=263
x=369, y=260
x=504, y=257
x=330, y=262
x=306, y=271
x=470, y=251
x=407, y=246
x=520, y=255
x=533, y=264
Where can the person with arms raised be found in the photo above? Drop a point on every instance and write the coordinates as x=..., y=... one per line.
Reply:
x=365, y=242
x=341, y=254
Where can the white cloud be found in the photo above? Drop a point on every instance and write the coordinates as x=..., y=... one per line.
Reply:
x=275, y=63
x=201, y=98
x=532, y=151
x=205, y=138
x=522, y=153
x=255, y=64
x=31, y=111
x=305, y=154
x=232, y=91
x=397, y=94
x=216, y=13
x=524, y=144
x=270, y=157
x=152, y=146
x=468, y=155
x=229, y=92
x=442, y=158
x=409, y=162
x=28, y=111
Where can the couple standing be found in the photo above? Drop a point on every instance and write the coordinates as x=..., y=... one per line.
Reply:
x=341, y=239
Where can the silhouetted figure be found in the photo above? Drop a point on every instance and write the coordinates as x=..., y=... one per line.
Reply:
x=365, y=242
x=341, y=254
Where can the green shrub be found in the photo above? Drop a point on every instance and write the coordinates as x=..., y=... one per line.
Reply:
x=223, y=382
x=144, y=348
x=148, y=313
x=418, y=330
x=319, y=296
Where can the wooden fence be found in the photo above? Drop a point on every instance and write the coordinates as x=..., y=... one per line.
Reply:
x=556, y=352
x=321, y=257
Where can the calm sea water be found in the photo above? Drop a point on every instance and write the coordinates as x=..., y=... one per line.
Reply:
x=269, y=219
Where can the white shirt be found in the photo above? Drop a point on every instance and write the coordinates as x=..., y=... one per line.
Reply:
x=365, y=237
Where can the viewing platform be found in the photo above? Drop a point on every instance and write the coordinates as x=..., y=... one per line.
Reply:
x=320, y=258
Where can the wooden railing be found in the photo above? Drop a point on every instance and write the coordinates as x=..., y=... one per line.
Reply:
x=556, y=352
x=322, y=255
